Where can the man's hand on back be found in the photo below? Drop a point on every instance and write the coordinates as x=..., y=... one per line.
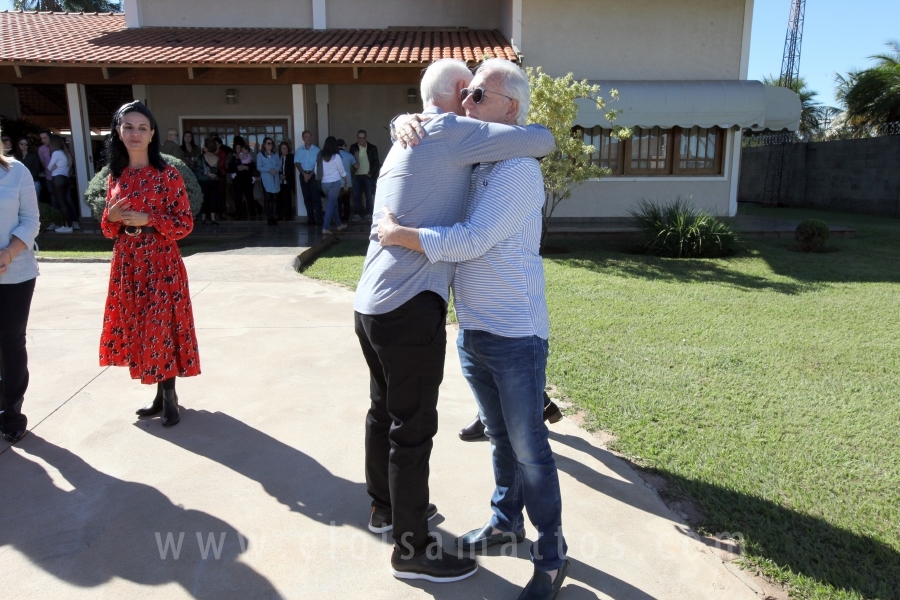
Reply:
x=392, y=233
x=408, y=130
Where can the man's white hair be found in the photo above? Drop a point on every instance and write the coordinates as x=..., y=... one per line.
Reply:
x=439, y=83
x=513, y=82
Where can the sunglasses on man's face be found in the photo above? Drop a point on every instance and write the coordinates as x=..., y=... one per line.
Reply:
x=478, y=94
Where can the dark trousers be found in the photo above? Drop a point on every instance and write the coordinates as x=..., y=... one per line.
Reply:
x=245, y=205
x=363, y=184
x=311, y=199
x=271, y=205
x=285, y=210
x=405, y=351
x=15, y=304
x=345, y=204
x=62, y=199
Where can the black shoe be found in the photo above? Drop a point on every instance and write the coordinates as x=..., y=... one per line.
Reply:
x=551, y=410
x=481, y=539
x=540, y=587
x=473, y=431
x=155, y=407
x=170, y=408
x=379, y=522
x=434, y=564
x=14, y=436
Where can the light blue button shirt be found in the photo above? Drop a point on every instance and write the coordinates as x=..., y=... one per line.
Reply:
x=306, y=158
x=19, y=217
x=426, y=186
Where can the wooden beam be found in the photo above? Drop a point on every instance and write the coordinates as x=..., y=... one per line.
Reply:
x=262, y=75
x=277, y=72
x=355, y=72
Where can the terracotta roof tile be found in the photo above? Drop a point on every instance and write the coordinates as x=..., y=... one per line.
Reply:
x=58, y=38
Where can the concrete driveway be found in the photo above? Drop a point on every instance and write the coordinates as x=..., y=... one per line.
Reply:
x=259, y=491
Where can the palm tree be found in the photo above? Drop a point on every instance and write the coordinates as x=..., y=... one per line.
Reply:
x=872, y=96
x=810, y=110
x=67, y=5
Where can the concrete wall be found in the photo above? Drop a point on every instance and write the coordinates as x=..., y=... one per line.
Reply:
x=861, y=176
x=370, y=14
x=340, y=14
x=369, y=107
x=639, y=39
x=9, y=101
x=226, y=13
x=612, y=197
x=169, y=102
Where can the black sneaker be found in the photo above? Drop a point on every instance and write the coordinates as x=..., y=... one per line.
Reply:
x=434, y=564
x=379, y=522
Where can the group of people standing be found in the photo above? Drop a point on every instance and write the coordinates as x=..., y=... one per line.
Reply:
x=52, y=171
x=337, y=184
x=332, y=172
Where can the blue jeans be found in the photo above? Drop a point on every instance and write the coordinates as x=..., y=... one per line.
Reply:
x=331, y=190
x=363, y=183
x=507, y=376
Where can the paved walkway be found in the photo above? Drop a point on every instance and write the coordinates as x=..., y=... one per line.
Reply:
x=261, y=485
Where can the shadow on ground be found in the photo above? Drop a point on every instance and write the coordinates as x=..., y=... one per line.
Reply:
x=106, y=528
x=804, y=544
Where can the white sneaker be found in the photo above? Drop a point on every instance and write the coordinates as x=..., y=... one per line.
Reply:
x=52, y=226
x=75, y=226
x=63, y=230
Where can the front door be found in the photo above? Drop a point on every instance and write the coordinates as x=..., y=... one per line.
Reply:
x=252, y=130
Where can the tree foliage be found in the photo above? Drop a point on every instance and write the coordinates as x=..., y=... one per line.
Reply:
x=553, y=104
x=67, y=5
x=871, y=96
x=812, y=113
x=95, y=194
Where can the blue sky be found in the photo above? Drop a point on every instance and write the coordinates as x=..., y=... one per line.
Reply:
x=838, y=36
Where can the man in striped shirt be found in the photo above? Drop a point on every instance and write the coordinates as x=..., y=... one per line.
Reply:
x=499, y=298
x=400, y=311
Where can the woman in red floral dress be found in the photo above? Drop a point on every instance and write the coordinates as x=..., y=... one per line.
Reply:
x=148, y=324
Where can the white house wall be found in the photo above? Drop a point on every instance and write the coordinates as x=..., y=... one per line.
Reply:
x=638, y=39
x=612, y=197
x=226, y=13
x=370, y=14
x=170, y=102
x=369, y=107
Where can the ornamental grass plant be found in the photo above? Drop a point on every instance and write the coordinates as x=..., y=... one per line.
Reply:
x=678, y=230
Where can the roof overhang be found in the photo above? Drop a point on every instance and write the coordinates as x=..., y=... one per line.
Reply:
x=726, y=104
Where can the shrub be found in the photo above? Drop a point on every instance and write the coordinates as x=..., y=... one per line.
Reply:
x=812, y=234
x=679, y=230
x=48, y=214
x=95, y=194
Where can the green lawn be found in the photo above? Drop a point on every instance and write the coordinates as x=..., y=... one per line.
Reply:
x=765, y=387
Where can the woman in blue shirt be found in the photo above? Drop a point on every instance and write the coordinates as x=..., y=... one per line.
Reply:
x=268, y=164
x=19, y=224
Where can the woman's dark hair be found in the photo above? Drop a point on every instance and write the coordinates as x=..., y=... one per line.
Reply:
x=284, y=145
x=209, y=144
x=117, y=154
x=264, y=151
x=184, y=143
x=17, y=152
x=329, y=148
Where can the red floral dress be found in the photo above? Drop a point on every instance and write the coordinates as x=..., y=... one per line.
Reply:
x=148, y=324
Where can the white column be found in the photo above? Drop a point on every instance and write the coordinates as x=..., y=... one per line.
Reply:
x=318, y=7
x=737, y=136
x=299, y=125
x=81, y=140
x=517, y=25
x=745, y=39
x=322, y=112
x=132, y=13
x=139, y=92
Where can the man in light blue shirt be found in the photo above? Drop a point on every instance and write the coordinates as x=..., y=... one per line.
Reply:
x=401, y=307
x=504, y=327
x=305, y=162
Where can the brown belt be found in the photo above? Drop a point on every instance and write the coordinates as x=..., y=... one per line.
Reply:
x=132, y=231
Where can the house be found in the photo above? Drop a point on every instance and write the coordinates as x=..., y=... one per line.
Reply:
x=336, y=66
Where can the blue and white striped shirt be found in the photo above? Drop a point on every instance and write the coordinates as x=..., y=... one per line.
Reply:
x=427, y=186
x=499, y=283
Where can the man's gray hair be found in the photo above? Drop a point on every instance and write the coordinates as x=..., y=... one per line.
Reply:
x=439, y=83
x=514, y=83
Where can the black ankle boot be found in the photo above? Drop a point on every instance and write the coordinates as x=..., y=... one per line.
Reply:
x=551, y=411
x=170, y=408
x=155, y=407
